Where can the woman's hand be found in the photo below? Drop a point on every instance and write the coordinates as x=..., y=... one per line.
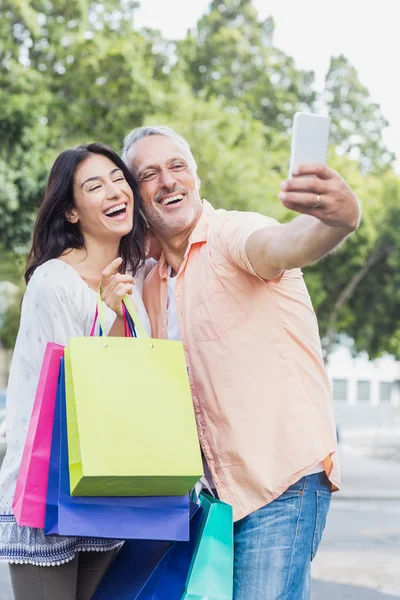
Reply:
x=114, y=286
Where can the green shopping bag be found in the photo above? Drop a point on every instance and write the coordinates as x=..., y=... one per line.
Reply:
x=130, y=417
x=211, y=572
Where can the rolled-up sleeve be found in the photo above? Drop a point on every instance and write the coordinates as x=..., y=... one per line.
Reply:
x=230, y=235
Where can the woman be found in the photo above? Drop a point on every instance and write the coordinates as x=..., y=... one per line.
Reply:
x=88, y=228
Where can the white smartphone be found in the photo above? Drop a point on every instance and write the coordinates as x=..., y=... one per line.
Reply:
x=310, y=137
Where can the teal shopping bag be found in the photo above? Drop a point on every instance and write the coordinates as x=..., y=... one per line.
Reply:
x=211, y=572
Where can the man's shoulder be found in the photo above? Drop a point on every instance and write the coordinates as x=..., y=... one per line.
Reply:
x=233, y=221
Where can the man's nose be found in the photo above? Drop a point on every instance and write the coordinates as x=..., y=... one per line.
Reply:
x=167, y=178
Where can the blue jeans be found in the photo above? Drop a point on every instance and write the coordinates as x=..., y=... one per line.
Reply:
x=275, y=545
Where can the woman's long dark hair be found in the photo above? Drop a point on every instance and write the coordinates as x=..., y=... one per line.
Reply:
x=53, y=234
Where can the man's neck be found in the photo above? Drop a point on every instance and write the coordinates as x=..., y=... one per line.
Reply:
x=174, y=246
x=174, y=251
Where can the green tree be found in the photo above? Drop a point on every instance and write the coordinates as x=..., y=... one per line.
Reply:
x=230, y=54
x=357, y=122
x=78, y=71
x=346, y=287
x=69, y=73
x=24, y=150
x=236, y=166
x=11, y=266
x=10, y=325
x=375, y=323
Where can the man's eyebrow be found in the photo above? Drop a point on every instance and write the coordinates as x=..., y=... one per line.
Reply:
x=170, y=160
x=143, y=169
x=99, y=176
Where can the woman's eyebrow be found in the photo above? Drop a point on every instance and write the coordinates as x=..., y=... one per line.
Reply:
x=99, y=176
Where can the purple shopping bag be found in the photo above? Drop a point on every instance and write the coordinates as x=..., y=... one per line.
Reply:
x=144, y=518
x=146, y=570
x=29, y=503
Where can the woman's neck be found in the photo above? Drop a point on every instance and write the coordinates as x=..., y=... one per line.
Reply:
x=90, y=262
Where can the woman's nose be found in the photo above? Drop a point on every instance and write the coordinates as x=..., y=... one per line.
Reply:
x=112, y=190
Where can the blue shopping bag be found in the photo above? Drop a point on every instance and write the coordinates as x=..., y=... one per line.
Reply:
x=146, y=570
x=211, y=572
x=144, y=518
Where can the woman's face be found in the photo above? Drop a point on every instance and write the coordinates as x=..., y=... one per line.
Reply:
x=103, y=200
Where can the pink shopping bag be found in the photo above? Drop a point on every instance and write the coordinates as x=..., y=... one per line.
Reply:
x=29, y=503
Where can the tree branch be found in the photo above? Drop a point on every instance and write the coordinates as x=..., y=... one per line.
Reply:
x=376, y=255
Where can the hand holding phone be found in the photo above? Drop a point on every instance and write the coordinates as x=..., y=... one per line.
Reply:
x=318, y=191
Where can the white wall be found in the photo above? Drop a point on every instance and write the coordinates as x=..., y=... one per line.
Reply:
x=341, y=365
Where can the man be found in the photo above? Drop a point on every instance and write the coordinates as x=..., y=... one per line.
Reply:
x=229, y=285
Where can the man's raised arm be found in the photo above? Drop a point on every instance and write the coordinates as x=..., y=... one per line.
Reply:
x=330, y=212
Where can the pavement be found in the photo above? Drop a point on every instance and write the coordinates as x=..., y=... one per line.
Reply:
x=360, y=551
x=359, y=557
x=334, y=591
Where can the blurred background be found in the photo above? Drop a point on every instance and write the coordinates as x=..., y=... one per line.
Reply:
x=229, y=76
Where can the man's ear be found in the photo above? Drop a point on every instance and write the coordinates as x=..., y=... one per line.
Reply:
x=72, y=216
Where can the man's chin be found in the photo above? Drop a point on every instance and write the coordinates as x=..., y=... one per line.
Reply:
x=174, y=227
x=176, y=222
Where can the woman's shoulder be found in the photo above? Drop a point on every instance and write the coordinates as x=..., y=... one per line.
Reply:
x=56, y=289
x=56, y=281
x=54, y=274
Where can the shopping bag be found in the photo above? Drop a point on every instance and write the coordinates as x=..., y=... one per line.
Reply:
x=211, y=572
x=29, y=503
x=131, y=424
x=154, y=518
x=150, y=570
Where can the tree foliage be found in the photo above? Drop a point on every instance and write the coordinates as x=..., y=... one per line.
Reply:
x=78, y=70
x=357, y=122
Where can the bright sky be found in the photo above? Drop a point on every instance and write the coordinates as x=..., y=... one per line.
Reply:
x=311, y=31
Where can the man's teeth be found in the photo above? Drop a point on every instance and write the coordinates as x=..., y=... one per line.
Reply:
x=114, y=209
x=172, y=199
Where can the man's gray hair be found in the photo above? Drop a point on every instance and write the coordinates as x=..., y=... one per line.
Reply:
x=141, y=132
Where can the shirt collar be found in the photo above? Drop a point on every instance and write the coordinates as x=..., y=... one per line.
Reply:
x=199, y=234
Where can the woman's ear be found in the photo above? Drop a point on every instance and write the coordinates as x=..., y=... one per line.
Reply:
x=198, y=182
x=72, y=216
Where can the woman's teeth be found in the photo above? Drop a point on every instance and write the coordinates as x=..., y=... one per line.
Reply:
x=114, y=209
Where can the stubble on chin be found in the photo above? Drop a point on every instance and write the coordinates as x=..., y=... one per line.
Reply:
x=167, y=226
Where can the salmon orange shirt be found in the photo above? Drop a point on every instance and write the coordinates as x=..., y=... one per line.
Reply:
x=261, y=394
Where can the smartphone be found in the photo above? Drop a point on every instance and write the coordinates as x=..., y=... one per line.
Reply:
x=310, y=136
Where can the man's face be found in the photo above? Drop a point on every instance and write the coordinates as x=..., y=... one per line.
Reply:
x=168, y=184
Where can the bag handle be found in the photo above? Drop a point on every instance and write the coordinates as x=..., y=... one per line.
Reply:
x=131, y=312
x=198, y=488
x=129, y=326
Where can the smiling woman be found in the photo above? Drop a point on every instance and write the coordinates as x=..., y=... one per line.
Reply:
x=84, y=184
x=89, y=226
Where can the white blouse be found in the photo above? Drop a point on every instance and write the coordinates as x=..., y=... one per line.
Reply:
x=57, y=305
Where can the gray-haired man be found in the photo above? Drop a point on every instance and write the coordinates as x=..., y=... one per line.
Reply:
x=229, y=285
